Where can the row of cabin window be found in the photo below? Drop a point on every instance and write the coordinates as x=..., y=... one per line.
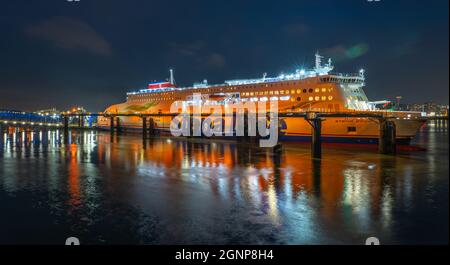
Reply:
x=221, y=89
x=256, y=93
x=311, y=98
x=339, y=80
x=287, y=92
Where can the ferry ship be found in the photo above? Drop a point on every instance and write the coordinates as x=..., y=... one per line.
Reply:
x=314, y=90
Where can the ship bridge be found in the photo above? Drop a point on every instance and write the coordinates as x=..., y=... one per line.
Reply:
x=343, y=79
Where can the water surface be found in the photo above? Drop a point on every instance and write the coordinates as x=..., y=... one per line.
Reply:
x=108, y=189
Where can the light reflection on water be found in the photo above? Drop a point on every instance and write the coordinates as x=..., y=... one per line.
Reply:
x=118, y=189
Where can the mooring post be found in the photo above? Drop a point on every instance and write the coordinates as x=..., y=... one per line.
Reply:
x=144, y=127
x=386, y=140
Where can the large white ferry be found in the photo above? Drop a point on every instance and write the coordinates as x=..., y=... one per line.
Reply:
x=318, y=89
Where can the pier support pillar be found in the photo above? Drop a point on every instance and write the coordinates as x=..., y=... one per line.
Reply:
x=111, y=124
x=66, y=129
x=316, y=134
x=316, y=144
x=249, y=136
x=151, y=128
x=144, y=128
x=190, y=126
x=195, y=126
x=1, y=134
x=244, y=138
x=81, y=121
x=118, y=129
x=386, y=141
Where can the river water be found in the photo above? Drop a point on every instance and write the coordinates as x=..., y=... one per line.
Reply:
x=107, y=189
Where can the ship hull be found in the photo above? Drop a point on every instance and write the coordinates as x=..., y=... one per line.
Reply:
x=334, y=130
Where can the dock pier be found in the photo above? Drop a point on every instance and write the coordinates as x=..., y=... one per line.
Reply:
x=386, y=141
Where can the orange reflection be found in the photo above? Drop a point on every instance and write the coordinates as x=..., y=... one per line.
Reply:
x=74, y=174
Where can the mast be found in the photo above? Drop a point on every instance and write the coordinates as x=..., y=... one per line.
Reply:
x=172, y=79
x=318, y=61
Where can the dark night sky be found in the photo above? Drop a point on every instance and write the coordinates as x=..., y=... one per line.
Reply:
x=55, y=53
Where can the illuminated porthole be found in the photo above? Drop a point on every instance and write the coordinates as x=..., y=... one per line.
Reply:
x=324, y=98
x=324, y=89
x=299, y=91
x=293, y=91
x=298, y=99
x=310, y=90
x=330, y=97
x=317, y=90
x=317, y=98
x=310, y=98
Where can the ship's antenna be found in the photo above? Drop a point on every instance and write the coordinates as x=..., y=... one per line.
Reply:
x=172, y=79
x=264, y=76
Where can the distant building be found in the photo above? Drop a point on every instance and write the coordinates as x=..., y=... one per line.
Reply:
x=430, y=108
x=51, y=111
